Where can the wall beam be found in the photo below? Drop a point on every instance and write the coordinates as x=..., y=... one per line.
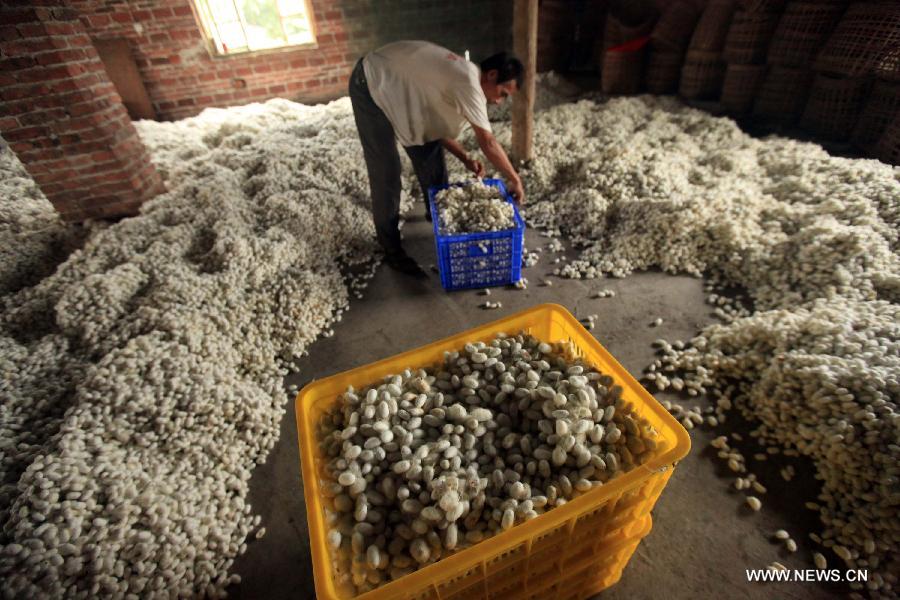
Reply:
x=525, y=25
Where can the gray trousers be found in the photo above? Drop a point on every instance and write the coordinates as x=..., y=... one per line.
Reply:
x=383, y=161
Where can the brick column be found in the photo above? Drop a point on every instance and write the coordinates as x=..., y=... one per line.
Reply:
x=63, y=118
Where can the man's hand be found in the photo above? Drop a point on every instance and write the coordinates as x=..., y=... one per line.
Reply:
x=517, y=191
x=495, y=153
x=475, y=166
x=456, y=149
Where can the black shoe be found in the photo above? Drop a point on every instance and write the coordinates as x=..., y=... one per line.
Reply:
x=401, y=261
x=428, y=216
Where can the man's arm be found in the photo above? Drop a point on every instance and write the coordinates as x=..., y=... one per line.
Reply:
x=495, y=153
x=456, y=149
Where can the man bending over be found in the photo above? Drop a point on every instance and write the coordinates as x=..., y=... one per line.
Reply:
x=422, y=95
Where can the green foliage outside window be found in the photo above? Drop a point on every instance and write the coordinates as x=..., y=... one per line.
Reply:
x=263, y=14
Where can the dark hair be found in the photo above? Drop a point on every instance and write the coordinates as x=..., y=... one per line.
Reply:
x=508, y=67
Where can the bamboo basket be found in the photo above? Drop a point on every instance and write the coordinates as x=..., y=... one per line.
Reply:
x=709, y=35
x=888, y=66
x=756, y=6
x=833, y=106
x=888, y=147
x=748, y=37
x=612, y=33
x=701, y=75
x=782, y=95
x=740, y=87
x=617, y=33
x=879, y=111
x=800, y=33
x=866, y=38
x=622, y=71
x=676, y=26
x=663, y=70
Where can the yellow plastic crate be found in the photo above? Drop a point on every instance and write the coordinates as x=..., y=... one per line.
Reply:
x=571, y=551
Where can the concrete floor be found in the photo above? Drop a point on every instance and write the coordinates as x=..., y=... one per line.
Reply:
x=703, y=535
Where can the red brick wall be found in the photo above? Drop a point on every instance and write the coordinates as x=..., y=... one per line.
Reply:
x=63, y=118
x=182, y=78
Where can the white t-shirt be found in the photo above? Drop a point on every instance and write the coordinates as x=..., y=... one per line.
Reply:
x=427, y=92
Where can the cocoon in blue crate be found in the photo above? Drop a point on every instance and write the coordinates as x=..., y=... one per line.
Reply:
x=481, y=259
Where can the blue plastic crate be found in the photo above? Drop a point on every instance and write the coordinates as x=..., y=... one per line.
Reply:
x=477, y=260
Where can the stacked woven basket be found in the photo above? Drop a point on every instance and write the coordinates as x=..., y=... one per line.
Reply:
x=799, y=34
x=833, y=66
x=746, y=45
x=668, y=43
x=878, y=129
x=704, y=67
x=625, y=51
x=856, y=90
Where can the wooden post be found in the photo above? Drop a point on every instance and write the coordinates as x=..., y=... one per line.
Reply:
x=525, y=22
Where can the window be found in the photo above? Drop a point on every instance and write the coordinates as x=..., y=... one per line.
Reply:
x=235, y=26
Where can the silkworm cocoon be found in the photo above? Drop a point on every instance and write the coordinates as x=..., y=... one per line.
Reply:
x=451, y=536
x=420, y=551
x=474, y=536
x=334, y=539
x=583, y=485
x=373, y=557
x=481, y=414
x=842, y=553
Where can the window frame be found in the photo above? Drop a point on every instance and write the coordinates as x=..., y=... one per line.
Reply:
x=210, y=40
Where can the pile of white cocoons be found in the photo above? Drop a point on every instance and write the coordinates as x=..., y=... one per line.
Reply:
x=433, y=460
x=473, y=208
x=809, y=352
x=142, y=381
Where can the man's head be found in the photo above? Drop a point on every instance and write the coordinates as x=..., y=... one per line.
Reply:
x=501, y=76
